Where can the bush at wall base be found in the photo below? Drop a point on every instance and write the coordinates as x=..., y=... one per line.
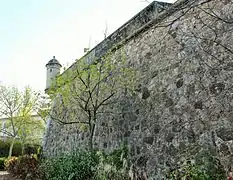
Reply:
x=24, y=167
x=75, y=166
x=86, y=165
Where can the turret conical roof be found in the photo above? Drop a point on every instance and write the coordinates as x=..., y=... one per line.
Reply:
x=53, y=61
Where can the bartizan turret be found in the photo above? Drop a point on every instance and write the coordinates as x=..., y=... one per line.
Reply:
x=53, y=70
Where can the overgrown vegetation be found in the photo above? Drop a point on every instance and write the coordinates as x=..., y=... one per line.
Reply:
x=98, y=165
x=113, y=166
x=5, y=145
x=2, y=161
x=189, y=171
x=204, y=167
x=95, y=165
x=81, y=165
x=24, y=167
x=18, y=148
x=77, y=166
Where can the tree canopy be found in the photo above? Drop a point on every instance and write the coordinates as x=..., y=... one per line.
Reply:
x=18, y=108
x=84, y=90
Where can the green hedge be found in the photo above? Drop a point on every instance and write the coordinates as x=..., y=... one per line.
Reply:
x=17, y=148
x=83, y=165
x=2, y=160
x=78, y=166
x=5, y=146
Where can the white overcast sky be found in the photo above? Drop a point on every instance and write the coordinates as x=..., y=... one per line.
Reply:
x=32, y=31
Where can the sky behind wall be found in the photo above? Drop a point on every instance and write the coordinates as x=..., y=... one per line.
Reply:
x=32, y=31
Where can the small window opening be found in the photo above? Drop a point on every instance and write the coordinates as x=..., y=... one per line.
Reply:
x=51, y=70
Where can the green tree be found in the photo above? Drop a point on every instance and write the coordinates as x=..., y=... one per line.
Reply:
x=43, y=107
x=17, y=108
x=84, y=90
x=30, y=127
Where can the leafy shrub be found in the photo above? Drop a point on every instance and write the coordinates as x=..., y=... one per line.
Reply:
x=95, y=165
x=109, y=171
x=211, y=165
x=76, y=166
x=17, y=148
x=5, y=146
x=205, y=171
x=2, y=161
x=10, y=165
x=117, y=157
x=113, y=165
x=189, y=171
x=31, y=149
x=27, y=167
x=24, y=167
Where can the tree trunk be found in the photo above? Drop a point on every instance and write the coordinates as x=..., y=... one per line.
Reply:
x=11, y=148
x=91, y=131
x=23, y=147
x=90, y=138
x=90, y=143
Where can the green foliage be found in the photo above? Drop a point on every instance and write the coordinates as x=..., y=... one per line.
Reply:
x=2, y=161
x=76, y=166
x=24, y=167
x=43, y=106
x=113, y=165
x=18, y=106
x=85, y=89
x=95, y=165
x=5, y=145
x=117, y=157
x=211, y=164
x=107, y=172
x=189, y=171
x=31, y=130
x=206, y=167
x=10, y=164
x=17, y=149
x=31, y=149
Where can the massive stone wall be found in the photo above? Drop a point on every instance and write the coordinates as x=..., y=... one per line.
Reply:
x=184, y=100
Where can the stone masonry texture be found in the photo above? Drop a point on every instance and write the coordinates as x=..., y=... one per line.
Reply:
x=183, y=106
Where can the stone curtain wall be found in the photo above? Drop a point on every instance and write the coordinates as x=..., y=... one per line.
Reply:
x=184, y=100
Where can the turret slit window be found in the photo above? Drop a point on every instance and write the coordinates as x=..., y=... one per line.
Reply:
x=51, y=70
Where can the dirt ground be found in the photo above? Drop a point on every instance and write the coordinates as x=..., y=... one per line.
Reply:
x=5, y=176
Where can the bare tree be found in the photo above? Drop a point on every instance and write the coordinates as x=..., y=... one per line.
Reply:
x=83, y=92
